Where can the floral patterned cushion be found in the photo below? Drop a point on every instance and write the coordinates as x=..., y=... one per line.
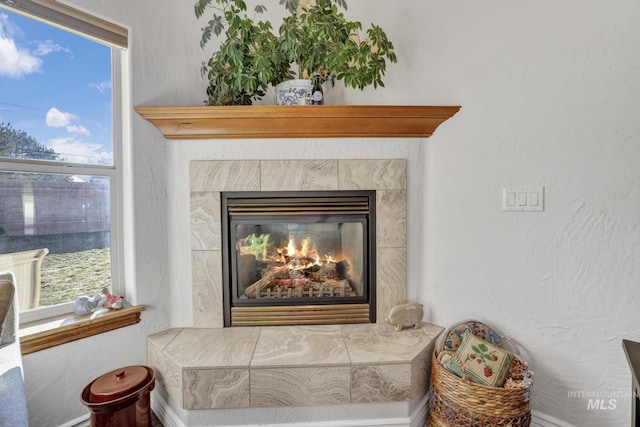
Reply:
x=484, y=363
x=452, y=337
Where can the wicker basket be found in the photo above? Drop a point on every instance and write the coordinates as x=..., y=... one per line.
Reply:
x=459, y=402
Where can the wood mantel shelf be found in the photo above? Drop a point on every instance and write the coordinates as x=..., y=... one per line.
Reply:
x=278, y=121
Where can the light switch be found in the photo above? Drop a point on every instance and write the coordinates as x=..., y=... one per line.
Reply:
x=523, y=199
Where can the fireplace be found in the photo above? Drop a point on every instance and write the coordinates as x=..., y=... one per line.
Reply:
x=298, y=257
x=210, y=179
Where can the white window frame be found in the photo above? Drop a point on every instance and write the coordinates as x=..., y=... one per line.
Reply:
x=119, y=173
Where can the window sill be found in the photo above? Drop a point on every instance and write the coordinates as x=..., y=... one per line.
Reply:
x=53, y=331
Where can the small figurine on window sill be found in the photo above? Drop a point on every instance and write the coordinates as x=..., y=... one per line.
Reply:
x=110, y=301
x=86, y=304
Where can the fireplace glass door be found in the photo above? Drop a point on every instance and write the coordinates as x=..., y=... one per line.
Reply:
x=298, y=258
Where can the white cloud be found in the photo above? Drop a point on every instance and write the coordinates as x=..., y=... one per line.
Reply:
x=14, y=60
x=102, y=86
x=58, y=119
x=78, y=129
x=48, y=46
x=76, y=151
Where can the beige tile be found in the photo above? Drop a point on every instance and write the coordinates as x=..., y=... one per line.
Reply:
x=420, y=371
x=225, y=175
x=391, y=218
x=299, y=386
x=206, y=272
x=216, y=388
x=161, y=339
x=213, y=348
x=373, y=174
x=381, y=383
x=432, y=331
x=205, y=221
x=299, y=175
x=379, y=343
x=168, y=373
x=317, y=345
x=391, y=285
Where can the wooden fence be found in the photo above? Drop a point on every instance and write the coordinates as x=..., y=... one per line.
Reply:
x=53, y=207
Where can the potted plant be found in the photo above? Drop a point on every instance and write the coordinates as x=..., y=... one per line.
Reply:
x=248, y=59
x=316, y=37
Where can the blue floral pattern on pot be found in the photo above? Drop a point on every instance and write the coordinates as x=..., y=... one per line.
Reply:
x=294, y=92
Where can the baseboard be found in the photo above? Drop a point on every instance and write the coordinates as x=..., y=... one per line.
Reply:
x=538, y=419
x=164, y=412
x=82, y=421
x=417, y=418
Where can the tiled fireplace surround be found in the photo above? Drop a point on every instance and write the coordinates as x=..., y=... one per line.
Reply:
x=212, y=367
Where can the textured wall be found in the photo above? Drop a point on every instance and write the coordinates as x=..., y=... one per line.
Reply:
x=549, y=94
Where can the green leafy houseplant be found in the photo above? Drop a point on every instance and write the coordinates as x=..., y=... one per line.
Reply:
x=248, y=59
x=320, y=40
x=315, y=36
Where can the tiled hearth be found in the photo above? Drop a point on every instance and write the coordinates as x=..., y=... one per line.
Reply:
x=246, y=367
x=209, y=366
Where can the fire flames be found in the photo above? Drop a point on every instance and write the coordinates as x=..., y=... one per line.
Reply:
x=304, y=257
x=295, y=270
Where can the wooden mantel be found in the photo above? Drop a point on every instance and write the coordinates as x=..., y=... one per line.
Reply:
x=277, y=121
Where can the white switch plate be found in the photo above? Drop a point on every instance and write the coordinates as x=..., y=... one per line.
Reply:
x=525, y=199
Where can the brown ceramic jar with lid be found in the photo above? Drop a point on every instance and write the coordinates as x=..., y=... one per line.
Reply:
x=120, y=397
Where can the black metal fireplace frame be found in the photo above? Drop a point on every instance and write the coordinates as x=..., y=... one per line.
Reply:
x=228, y=259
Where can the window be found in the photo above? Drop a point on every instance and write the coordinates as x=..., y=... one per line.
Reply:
x=60, y=154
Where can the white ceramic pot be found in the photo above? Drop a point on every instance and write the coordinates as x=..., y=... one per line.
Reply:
x=294, y=92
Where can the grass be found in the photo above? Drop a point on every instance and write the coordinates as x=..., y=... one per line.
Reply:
x=65, y=277
x=77, y=263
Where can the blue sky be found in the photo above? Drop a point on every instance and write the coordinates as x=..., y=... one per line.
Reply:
x=56, y=86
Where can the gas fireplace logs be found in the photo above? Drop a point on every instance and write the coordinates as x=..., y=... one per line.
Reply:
x=281, y=280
